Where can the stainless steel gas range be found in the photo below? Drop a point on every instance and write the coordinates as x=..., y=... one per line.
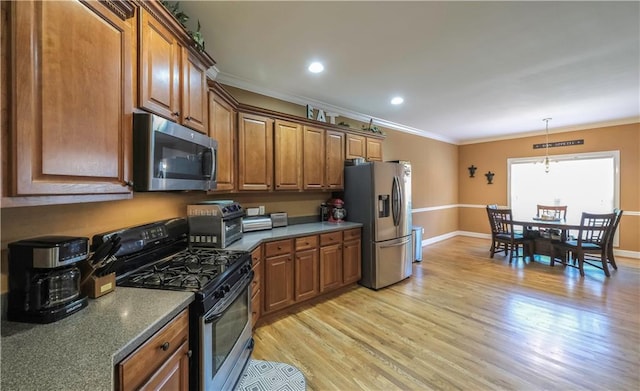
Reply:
x=157, y=256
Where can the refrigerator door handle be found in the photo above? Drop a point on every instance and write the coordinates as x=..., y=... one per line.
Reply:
x=405, y=241
x=396, y=201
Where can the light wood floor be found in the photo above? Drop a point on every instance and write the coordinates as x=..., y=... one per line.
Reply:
x=465, y=321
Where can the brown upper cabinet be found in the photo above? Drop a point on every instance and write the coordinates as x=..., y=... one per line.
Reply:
x=364, y=147
x=255, y=152
x=374, y=150
x=71, y=101
x=172, y=75
x=323, y=152
x=222, y=128
x=288, y=155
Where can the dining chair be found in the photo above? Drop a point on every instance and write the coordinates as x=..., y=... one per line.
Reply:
x=552, y=212
x=555, y=211
x=590, y=244
x=612, y=232
x=503, y=236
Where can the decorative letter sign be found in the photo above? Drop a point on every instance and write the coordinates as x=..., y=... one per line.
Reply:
x=321, y=115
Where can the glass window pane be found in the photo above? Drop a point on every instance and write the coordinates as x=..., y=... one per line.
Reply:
x=583, y=183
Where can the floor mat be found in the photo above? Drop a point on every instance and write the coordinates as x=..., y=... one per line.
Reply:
x=271, y=376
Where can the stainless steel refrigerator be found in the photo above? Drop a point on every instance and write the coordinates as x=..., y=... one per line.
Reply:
x=378, y=195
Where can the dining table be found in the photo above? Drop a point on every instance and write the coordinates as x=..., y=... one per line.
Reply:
x=549, y=231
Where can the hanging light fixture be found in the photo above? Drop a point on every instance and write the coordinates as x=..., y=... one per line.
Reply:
x=546, y=159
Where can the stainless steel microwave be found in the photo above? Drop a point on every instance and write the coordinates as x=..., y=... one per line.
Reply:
x=168, y=156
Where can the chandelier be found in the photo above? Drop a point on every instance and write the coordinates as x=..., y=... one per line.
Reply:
x=546, y=159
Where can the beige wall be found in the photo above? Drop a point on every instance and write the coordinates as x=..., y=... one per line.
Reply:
x=434, y=168
x=492, y=156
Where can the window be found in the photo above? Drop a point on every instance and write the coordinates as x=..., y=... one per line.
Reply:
x=585, y=182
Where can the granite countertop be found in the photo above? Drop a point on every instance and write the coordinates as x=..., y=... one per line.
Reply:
x=80, y=351
x=251, y=240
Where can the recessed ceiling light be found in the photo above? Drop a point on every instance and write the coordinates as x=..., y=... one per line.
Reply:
x=316, y=67
x=397, y=100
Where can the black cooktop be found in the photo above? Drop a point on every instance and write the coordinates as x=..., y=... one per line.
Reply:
x=189, y=270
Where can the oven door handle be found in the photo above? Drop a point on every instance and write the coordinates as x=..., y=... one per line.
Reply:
x=230, y=299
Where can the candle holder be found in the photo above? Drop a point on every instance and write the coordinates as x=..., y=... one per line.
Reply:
x=489, y=176
x=472, y=171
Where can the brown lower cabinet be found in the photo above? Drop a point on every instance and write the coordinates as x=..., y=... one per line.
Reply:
x=160, y=363
x=351, y=256
x=299, y=269
x=306, y=284
x=330, y=261
x=278, y=275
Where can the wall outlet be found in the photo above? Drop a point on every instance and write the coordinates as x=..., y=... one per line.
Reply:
x=261, y=210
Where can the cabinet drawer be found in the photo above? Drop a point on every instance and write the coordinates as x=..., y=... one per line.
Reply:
x=330, y=238
x=277, y=248
x=352, y=234
x=137, y=367
x=257, y=276
x=306, y=242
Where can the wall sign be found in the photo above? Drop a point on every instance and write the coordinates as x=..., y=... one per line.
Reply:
x=321, y=116
x=559, y=144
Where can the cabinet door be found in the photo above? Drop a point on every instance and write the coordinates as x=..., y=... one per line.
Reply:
x=351, y=261
x=174, y=373
x=334, y=167
x=255, y=152
x=356, y=146
x=307, y=282
x=222, y=129
x=160, y=55
x=194, y=93
x=288, y=155
x=71, y=83
x=278, y=282
x=314, y=158
x=330, y=267
x=374, y=150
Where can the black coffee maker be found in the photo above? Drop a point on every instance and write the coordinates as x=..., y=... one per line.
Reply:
x=44, y=280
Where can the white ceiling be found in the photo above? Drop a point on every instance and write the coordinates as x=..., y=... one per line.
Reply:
x=468, y=71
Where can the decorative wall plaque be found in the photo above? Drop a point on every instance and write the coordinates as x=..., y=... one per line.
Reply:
x=559, y=144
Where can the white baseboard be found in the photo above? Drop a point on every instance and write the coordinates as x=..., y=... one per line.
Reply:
x=439, y=238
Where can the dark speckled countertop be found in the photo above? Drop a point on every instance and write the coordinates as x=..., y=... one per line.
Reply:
x=80, y=352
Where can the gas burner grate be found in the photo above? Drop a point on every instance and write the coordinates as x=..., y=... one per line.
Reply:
x=193, y=269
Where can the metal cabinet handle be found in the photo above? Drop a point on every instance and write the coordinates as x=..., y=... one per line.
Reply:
x=189, y=353
x=188, y=119
x=165, y=346
x=176, y=114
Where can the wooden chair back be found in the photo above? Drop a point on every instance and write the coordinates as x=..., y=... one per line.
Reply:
x=500, y=220
x=556, y=211
x=596, y=228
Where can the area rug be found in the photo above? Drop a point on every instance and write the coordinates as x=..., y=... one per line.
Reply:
x=271, y=376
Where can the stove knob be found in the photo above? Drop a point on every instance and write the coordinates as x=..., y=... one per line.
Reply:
x=219, y=294
x=226, y=288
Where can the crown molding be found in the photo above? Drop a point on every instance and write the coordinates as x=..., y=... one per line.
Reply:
x=573, y=128
x=243, y=84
